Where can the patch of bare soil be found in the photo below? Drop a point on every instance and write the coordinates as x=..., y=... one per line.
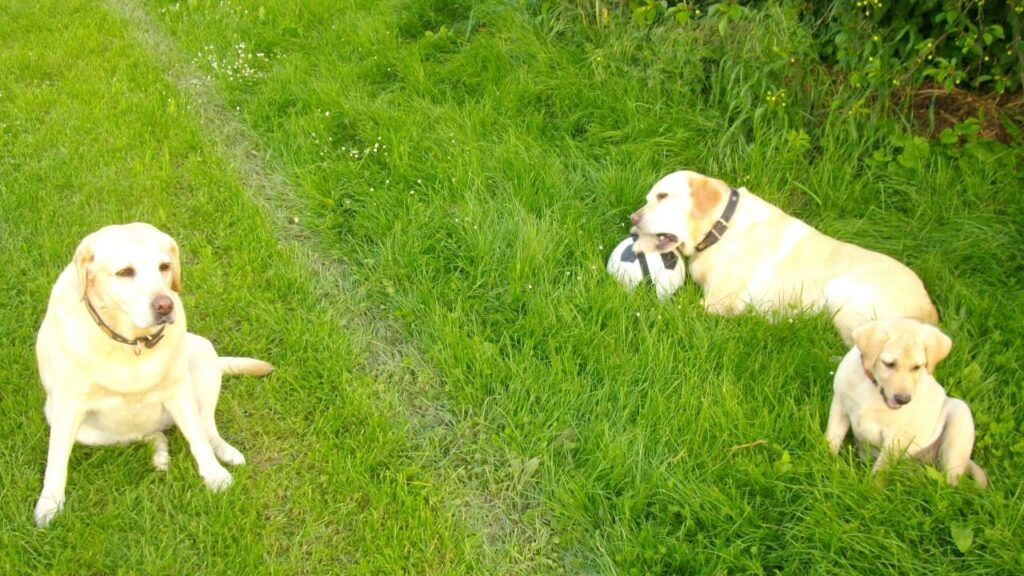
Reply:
x=934, y=109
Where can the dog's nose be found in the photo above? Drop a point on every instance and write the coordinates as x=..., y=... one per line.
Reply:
x=162, y=306
x=901, y=399
x=634, y=217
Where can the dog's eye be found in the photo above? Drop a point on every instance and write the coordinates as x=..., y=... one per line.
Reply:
x=916, y=367
x=662, y=195
x=889, y=365
x=165, y=267
x=128, y=272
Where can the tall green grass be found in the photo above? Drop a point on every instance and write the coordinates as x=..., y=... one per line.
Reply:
x=470, y=165
x=624, y=435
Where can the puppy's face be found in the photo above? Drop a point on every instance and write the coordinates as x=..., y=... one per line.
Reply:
x=129, y=272
x=897, y=353
x=680, y=210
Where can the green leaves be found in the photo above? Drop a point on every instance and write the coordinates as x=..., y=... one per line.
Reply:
x=963, y=537
x=956, y=43
x=914, y=152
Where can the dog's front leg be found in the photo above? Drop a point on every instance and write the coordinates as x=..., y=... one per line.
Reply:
x=65, y=418
x=890, y=450
x=957, y=439
x=723, y=306
x=185, y=412
x=838, y=425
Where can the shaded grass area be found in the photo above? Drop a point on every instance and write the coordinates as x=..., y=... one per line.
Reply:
x=90, y=134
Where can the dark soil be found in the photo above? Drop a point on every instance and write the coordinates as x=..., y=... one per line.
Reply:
x=934, y=109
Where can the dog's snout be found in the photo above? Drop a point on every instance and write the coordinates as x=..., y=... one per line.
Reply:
x=162, y=305
x=635, y=217
x=901, y=399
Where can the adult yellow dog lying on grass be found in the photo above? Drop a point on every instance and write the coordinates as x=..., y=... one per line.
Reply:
x=745, y=252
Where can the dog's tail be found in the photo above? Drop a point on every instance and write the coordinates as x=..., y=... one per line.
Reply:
x=249, y=366
x=977, y=473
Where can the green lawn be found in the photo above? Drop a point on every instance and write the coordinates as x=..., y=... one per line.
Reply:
x=405, y=205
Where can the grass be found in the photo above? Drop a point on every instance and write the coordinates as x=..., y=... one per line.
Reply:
x=405, y=205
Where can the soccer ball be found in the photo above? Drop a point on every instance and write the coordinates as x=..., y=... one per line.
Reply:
x=666, y=271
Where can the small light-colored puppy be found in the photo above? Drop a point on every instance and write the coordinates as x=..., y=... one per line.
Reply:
x=745, y=252
x=118, y=364
x=885, y=391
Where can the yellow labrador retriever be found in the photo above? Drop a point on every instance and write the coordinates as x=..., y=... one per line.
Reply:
x=118, y=364
x=745, y=252
x=885, y=391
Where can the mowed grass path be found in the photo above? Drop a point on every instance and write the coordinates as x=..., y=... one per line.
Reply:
x=460, y=387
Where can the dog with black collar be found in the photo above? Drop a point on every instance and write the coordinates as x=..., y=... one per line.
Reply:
x=118, y=364
x=745, y=252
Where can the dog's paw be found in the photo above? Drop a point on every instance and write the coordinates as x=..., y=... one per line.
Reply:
x=218, y=480
x=228, y=454
x=46, y=509
x=161, y=461
x=161, y=456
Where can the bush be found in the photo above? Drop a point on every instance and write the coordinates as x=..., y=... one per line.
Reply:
x=881, y=44
x=953, y=43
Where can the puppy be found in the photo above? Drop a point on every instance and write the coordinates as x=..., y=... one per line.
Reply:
x=744, y=252
x=885, y=391
x=118, y=364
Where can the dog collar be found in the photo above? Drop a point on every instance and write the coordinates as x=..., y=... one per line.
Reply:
x=722, y=224
x=870, y=376
x=147, y=341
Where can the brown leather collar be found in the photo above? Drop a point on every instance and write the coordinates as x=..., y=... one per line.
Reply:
x=147, y=341
x=870, y=376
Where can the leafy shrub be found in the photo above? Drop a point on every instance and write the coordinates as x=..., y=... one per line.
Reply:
x=953, y=43
x=880, y=44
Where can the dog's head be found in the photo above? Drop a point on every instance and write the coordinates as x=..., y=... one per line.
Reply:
x=896, y=353
x=680, y=209
x=130, y=273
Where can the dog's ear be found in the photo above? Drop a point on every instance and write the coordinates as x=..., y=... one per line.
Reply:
x=869, y=339
x=175, y=267
x=706, y=193
x=936, y=347
x=83, y=259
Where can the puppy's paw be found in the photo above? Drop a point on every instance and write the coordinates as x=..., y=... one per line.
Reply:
x=161, y=457
x=161, y=461
x=228, y=454
x=218, y=480
x=834, y=445
x=46, y=509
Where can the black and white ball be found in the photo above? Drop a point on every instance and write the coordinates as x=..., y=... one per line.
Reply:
x=666, y=271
